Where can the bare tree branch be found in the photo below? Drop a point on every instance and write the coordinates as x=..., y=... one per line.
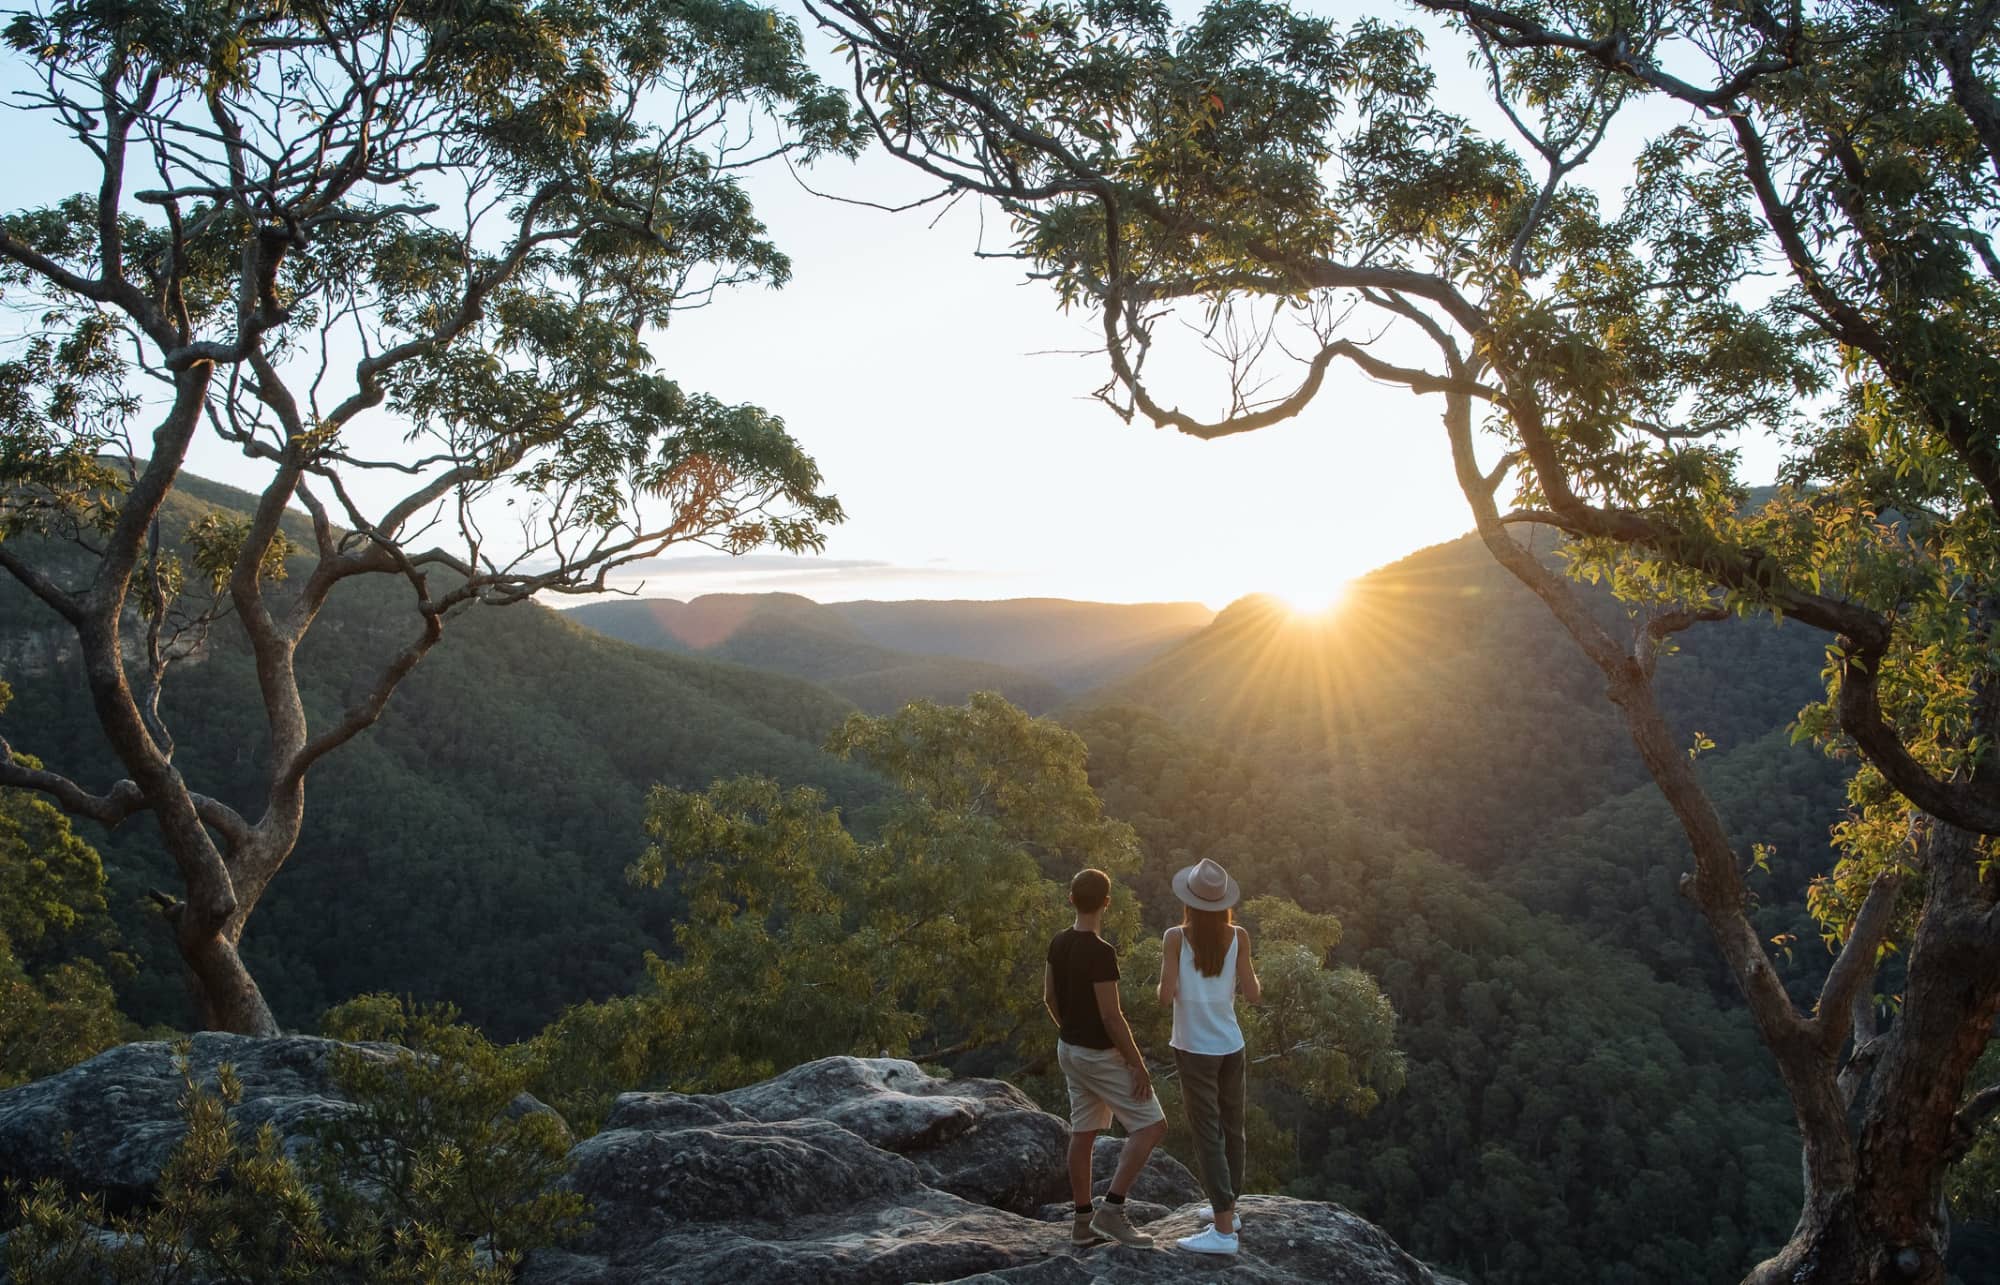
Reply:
x=41, y=586
x=112, y=808
x=1966, y=1124
x=1853, y=971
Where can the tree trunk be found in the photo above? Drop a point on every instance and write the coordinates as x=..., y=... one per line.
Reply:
x=1889, y=1227
x=208, y=925
x=226, y=997
x=1830, y=1247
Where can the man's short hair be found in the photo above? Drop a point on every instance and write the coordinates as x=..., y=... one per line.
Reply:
x=1090, y=890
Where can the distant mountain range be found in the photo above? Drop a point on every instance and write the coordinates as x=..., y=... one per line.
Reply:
x=1434, y=763
x=1440, y=695
x=1445, y=699
x=1037, y=652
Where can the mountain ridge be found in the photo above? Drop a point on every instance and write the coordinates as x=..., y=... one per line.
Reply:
x=1440, y=667
x=1038, y=652
x=789, y=634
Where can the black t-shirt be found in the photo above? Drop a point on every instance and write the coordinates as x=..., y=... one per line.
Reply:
x=1078, y=961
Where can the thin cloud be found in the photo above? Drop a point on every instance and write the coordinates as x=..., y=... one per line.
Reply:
x=712, y=564
x=826, y=579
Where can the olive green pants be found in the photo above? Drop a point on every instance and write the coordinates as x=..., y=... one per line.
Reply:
x=1212, y=1092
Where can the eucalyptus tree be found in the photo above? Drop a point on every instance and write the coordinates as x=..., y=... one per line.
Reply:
x=927, y=938
x=1801, y=246
x=411, y=261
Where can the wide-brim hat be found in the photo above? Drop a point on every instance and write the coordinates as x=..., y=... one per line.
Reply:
x=1206, y=886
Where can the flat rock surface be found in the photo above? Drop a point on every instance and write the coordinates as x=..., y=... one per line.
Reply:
x=840, y=1170
x=869, y=1170
x=890, y=1102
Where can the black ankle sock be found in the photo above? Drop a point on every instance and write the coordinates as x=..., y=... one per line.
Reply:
x=1083, y=1209
x=1114, y=1198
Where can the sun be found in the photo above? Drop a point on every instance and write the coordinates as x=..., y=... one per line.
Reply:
x=1313, y=597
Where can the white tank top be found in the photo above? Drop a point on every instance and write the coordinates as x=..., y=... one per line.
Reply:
x=1205, y=1007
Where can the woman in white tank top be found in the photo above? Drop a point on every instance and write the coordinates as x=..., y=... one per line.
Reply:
x=1204, y=965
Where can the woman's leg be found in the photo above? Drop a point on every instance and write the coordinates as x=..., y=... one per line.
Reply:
x=1198, y=1075
x=1230, y=1076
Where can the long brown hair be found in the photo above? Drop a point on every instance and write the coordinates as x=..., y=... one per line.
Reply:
x=1208, y=934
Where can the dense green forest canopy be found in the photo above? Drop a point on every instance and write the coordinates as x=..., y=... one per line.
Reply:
x=1519, y=984
x=58, y=949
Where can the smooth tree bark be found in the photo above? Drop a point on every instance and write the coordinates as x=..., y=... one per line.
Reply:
x=1290, y=191
x=316, y=231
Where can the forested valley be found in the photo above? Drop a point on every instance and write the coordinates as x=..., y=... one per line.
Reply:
x=1624, y=875
x=1578, y=1097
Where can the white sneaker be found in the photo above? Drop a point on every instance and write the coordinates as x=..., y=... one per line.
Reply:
x=1208, y=1241
x=1207, y=1214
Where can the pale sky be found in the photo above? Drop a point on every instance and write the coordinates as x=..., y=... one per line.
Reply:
x=964, y=445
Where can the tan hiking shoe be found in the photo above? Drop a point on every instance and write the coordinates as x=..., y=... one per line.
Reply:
x=1080, y=1233
x=1111, y=1221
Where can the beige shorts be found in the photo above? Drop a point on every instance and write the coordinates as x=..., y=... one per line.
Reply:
x=1100, y=1086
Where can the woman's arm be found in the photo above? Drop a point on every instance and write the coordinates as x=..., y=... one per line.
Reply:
x=1170, y=966
x=1247, y=984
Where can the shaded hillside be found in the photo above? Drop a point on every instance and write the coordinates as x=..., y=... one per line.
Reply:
x=472, y=845
x=1442, y=699
x=1615, y=870
x=1077, y=645
x=788, y=634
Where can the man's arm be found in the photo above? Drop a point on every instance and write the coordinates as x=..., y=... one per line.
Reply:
x=1170, y=967
x=1246, y=971
x=1049, y=993
x=1121, y=1037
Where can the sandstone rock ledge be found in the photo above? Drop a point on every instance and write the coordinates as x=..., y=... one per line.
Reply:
x=840, y=1170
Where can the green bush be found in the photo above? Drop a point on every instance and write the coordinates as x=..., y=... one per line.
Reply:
x=444, y=1137
x=56, y=1002
x=433, y=1180
x=225, y=1211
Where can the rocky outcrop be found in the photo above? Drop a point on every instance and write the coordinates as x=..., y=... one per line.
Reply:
x=840, y=1170
x=108, y=1125
x=869, y=1170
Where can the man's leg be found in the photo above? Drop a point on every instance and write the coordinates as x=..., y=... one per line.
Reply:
x=1111, y=1219
x=1080, y=1145
x=1087, y=1115
x=1112, y=1080
x=1133, y=1156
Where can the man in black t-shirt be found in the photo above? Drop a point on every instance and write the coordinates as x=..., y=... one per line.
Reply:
x=1105, y=1071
